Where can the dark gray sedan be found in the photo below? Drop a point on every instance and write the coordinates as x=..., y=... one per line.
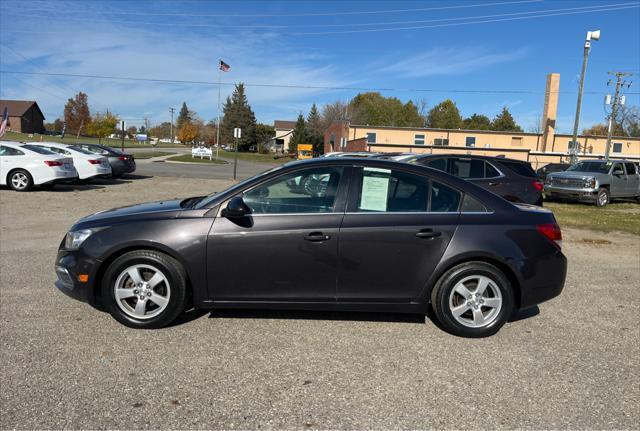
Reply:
x=121, y=163
x=323, y=234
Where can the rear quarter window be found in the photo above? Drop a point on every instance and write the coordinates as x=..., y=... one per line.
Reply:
x=520, y=168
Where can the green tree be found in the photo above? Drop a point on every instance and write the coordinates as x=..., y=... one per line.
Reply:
x=264, y=134
x=504, y=122
x=477, y=122
x=444, y=115
x=376, y=110
x=184, y=116
x=102, y=125
x=238, y=113
x=315, y=130
x=76, y=113
x=299, y=135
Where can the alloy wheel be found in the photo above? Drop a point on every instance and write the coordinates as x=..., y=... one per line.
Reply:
x=19, y=181
x=142, y=291
x=475, y=301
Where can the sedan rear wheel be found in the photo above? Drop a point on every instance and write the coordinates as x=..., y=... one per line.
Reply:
x=473, y=299
x=145, y=289
x=20, y=180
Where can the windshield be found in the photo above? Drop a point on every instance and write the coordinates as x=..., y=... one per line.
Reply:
x=208, y=199
x=598, y=167
x=38, y=150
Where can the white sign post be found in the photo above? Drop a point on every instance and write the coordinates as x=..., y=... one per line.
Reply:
x=201, y=152
x=237, y=134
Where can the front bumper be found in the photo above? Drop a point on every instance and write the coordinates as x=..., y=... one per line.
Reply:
x=585, y=194
x=70, y=264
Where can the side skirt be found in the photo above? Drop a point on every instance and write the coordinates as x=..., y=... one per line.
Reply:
x=411, y=308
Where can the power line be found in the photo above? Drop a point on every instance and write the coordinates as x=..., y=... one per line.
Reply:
x=236, y=15
x=581, y=8
x=532, y=15
x=306, y=87
x=635, y=5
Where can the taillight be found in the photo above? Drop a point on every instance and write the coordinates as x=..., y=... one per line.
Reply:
x=52, y=163
x=538, y=185
x=94, y=162
x=552, y=232
x=122, y=158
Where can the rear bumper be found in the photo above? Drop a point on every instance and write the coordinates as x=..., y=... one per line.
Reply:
x=122, y=168
x=546, y=279
x=57, y=176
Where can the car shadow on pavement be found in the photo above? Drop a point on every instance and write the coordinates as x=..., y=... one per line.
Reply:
x=526, y=313
x=317, y=315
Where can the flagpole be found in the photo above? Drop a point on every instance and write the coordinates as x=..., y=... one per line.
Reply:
x=218, y=128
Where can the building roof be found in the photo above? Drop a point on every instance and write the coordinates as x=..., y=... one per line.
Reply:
x=17, y=108
x=284, y=124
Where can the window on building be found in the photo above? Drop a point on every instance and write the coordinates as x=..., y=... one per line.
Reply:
x=441, y=142
x=343, y=142
x=419, y=140
x=371, y=138
x=516, y=141
x=617, y=147
x=470, y=141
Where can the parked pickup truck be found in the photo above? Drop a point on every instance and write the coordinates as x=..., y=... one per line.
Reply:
x=596, y=181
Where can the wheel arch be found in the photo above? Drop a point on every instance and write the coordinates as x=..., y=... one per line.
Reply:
x=17, y=169
x=491, y=260
x=112, y=255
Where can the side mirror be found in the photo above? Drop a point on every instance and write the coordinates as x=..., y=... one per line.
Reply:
x=617, y=171
x=236, y=208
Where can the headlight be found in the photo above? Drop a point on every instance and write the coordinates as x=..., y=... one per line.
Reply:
x=590, y=183
x=74, y=239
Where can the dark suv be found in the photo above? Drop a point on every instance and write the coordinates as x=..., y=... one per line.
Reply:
x=514, y=180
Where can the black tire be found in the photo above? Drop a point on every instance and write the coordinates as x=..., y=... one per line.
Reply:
x=25, y=180
x=169, y=267
x=603, y=197
x=441, y=294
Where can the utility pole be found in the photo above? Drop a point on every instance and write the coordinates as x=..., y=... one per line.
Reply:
x=617, y=101
x=172, y=110
x=591, y=35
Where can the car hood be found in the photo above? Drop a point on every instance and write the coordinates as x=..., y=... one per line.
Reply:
x=167, y=209
x=574, y=174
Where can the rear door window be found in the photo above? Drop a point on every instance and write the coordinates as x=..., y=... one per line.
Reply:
x=386, y=190
x=8, y=151
x=631, y=168
x=520, y=168
x=444, y=198
x=467, y=168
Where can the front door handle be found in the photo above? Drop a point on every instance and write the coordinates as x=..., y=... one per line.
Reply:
x=317, y=237
x=494, y=184
x=428, y=233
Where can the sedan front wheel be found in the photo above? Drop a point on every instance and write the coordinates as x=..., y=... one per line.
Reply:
x=145, y=289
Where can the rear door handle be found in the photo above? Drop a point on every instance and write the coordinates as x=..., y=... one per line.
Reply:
x=317, y=237
x=494, y=184
x=428, y=233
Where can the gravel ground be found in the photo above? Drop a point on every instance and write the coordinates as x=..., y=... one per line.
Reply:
x=571, y=364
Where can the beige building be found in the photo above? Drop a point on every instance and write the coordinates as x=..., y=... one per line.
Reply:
x=537, y=148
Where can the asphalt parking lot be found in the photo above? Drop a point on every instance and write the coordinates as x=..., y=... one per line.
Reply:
x=571, y=363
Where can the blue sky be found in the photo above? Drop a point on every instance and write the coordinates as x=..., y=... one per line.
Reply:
x=483, y=55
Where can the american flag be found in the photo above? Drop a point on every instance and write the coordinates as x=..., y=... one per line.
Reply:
x=224, y=66
x=5, y=121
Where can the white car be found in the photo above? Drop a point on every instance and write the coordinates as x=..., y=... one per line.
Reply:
x=23, y=166
x=88, y=164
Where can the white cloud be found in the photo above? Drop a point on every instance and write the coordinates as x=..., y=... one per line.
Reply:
x=450, y=61
x=111, y=49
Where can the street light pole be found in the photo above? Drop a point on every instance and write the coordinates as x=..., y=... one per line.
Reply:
x=614, y=109
x=591, y=35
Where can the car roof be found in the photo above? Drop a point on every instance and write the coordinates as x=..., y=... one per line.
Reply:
x=12, y=144
x=51, y=144
x=472, y=156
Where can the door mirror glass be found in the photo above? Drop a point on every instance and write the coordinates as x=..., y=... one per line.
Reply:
x=236, y=208
x=617, y=171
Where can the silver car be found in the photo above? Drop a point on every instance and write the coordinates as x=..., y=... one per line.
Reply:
x=596, y=181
